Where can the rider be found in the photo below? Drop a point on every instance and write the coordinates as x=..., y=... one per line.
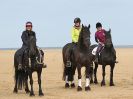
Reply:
x=25, y=39
x=76, y=30
x=75, y=36
x=99, y=38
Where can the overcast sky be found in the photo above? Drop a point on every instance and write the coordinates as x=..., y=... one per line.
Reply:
x=53, y=19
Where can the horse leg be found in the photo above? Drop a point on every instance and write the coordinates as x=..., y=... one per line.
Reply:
x=16, y=82
x=88, y=72
x=66, y=82
x=111, y=74
x=95, y=73
x=39, y=82
x=103, y=74
x=31, y=83
x=73, y=83
x=79, y=79
x=91, y=76
x=66, y=77
x=26, y=84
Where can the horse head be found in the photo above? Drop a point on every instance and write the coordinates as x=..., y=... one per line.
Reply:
x=32, y=46
x=84, y=37
x=108, y=39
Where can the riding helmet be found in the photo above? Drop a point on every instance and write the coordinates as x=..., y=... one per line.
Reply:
x=77, y=20
x=98, y=25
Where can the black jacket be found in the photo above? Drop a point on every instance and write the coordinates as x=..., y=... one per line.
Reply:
x=25, y=37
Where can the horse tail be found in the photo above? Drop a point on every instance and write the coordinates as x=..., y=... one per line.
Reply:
x=19, y=75
x=68, y=70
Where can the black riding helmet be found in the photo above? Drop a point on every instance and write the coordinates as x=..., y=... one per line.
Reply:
x=98, y=25
x=77, y=20
x=28, y=23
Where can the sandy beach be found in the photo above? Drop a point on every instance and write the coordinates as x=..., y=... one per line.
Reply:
x=53, y=86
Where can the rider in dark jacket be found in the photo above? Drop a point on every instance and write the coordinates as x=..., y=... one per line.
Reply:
x=25, y=39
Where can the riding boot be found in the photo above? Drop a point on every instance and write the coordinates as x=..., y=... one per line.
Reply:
x=68, y=64
x=96, y=58
x=20, y=62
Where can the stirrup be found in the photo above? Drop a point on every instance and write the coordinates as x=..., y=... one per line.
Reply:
x=19, y=66
x=116, y=62
x=44, y=66
x=68, y=64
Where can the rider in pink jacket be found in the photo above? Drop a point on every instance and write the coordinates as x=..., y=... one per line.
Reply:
x=99, y=38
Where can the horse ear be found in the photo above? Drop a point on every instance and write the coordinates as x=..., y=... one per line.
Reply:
x=82, y=26
x=89, y=26
x=109, y=30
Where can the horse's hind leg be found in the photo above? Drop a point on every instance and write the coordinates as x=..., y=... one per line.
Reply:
x=73, y=83
x=16, y=82
x=111, y=75
x=103, y=74
x=39, y=82
x=95, y=73
x=31, y=83
x=66, y=77
x=26, y=84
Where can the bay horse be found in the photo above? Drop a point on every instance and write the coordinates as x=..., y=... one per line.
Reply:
x=31, y=61
x=77, y=56
x=107, y=57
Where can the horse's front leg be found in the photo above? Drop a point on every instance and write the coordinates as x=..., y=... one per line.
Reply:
x=79, y=78
x=111, y=74
x=91, y=75
x=88, y=73
x=26, y=83
x=95, y=73
x=39, y=82
x=16, y=82
x=103, y=74
x=31, y=83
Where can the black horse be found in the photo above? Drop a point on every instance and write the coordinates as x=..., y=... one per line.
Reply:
x=31, y=61
x=107, y=57
x=77, y=56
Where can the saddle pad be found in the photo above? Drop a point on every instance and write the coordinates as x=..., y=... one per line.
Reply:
x=94, y=51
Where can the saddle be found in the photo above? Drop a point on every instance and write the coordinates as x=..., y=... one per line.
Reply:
x=94, y=51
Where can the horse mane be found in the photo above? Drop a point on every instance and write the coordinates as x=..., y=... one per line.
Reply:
x=84, y=33
x=108, y=34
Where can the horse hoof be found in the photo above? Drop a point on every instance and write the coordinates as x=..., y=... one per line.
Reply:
x=27, y=91
x=87, y=88
x=95, y=82
x=73, y=85
x=112, y=84
x=15, y=91
x=41, y=94
x=91, y=82
x=32, y=94
x=66, y=85
x=103, y=84
x=79, y=88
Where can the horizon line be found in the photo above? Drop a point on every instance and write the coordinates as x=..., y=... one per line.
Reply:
x=116, y=46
